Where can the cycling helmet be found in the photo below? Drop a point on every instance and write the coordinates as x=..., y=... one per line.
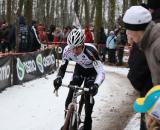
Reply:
x=75, y=38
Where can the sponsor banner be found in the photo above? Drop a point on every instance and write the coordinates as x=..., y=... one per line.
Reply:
x=48, y=61
x=59, y=50
x=33, y=65
x=5, y=71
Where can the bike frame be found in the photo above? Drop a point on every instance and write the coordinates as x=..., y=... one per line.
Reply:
x=72, y=120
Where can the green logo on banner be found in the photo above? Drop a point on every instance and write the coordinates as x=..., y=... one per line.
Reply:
x=20, y=69
x=39, y=62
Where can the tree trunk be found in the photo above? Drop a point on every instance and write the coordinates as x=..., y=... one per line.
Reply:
x=20, y=4
x=65, y=13
x=62, y=13
x=93, y=9
x=13, y=9
x=57, y=19
x=111, y=15
x=98, y=20
x=133, y=2
x=9, y=11
x=47, y=22
x=81, y=12
x=3, y=9
x=41, y=11
x=125, y=6
x=28, y=11
x=52, y=12
x=86, y=12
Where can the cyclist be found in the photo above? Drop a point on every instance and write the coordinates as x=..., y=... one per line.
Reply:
x=88, y=68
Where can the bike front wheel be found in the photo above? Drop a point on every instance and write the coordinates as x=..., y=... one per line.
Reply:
x=71, y=120
x=73, y=124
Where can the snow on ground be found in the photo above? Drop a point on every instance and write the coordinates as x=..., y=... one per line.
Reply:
x=134, y=123
x=33, y=106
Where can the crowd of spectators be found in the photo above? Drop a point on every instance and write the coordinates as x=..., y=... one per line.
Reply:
x=30, y=37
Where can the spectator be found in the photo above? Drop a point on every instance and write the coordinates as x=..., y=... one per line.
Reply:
x=111, y=45
x=154, y=7
x=103, y=38
x=146, y=33
x=66, y=31
x=121, y=42
x=57, y=35
x=139, y=70
x=41, y=33
x=23, y=35
x=12, y=36
x=34, y=42
x=150, y=104
x=50, y=34
x=4, y=38
x=88, y=35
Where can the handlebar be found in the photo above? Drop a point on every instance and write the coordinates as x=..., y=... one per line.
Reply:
x=78, y=88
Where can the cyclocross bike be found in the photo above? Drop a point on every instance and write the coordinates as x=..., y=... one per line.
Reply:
x=73, y=113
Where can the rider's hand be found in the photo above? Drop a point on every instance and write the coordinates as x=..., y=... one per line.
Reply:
x=57, y=82
x=93, y=89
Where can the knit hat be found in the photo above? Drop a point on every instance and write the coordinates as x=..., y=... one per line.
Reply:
x=136, y=18
x=150, y=103
x=153, y=4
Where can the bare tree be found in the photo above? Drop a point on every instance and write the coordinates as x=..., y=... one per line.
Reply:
x=57, y=18
x=111, y=15
x=76, y=7
x=98, y=20
x=20, y=7
x=133, y=2
x=9, y=11
x=41, y=10
x=125, y=6
x=47, y=20
x=86, y=12
x=28, y=11
x=93, y=5
x=13, y=11
x=52, y=16
x=3, y=8
x=81, y=11
x=64, y=10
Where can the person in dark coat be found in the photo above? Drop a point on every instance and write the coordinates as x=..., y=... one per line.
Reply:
x=103, y=39
x=121, y=45
x=139, y=75
x=154, y=8
x=4, y=38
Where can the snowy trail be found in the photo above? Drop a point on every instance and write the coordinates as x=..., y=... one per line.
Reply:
x=33, y=106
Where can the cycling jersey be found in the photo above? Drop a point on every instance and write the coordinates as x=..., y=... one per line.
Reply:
x=88, y=58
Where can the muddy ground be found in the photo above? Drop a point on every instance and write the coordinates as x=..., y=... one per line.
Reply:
x=116, y=100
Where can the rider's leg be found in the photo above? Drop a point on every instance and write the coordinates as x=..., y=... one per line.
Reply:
x=88, y=104
x=77, y=79
x=88, y=113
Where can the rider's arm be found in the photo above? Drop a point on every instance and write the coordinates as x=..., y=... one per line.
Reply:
x=62, y=69
x=100, y=72
x=65, y=60
x=98, y=67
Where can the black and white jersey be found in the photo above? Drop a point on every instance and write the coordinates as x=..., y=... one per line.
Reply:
x=88, y=58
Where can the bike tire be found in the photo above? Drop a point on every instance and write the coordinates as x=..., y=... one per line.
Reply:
x=73, y=125
x=70, y=120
